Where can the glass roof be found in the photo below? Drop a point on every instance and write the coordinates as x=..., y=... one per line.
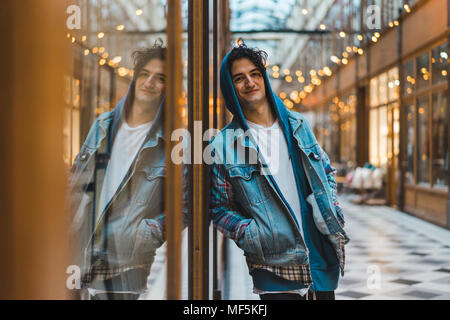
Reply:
x=259, y=14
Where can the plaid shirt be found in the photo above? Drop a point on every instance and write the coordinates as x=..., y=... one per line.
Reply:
x=300, y=273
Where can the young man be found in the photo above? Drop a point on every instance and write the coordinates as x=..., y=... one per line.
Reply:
x=116, y=196
x=282, y=210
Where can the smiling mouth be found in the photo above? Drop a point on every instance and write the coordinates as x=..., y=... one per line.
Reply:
x=148, y=92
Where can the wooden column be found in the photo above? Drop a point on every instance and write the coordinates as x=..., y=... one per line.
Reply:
x=198, y=82
x=34, y=55
x=173, y=120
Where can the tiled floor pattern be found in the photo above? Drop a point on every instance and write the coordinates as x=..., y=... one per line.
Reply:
x=391, y=255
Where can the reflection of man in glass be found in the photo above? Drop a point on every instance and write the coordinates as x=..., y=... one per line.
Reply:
x=117, y=187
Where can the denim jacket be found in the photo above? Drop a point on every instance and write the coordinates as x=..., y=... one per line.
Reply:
x=127, y=232
x=246, y=207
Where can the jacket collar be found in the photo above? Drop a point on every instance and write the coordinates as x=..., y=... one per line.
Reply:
x=295, y=120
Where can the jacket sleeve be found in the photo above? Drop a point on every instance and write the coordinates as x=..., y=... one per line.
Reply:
x=224, y=213
x=331, y=173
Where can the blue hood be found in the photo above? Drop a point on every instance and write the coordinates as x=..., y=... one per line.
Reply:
x=232, y=102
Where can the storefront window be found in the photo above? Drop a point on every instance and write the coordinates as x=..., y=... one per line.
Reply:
x=439, y=63
x=383, y=136
x=374, y=137
x=374, y=92
x=408, y=80
x=382, y=87
x=383, y=92
x=423, y=141
x=440, y=142
x=410, y=115
x=423, y=71
x=347, y=111
x=393, y=84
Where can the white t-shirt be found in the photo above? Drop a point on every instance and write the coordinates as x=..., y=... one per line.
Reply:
x=274, y=149
x=126, y=146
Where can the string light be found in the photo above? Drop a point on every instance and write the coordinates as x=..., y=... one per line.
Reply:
x=335, y=59
x=101, y=35
x=122, y=71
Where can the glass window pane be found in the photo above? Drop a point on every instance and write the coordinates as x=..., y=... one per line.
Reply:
x=382, y=87
x=373, y=92
x=116, y=208
x=383, y=136
x=439, y=63
x=408, y=80
x=393, y=84
x=423, y=71
x=373, y=143
x=440, y=142
x=423, y=141
x=410, y=116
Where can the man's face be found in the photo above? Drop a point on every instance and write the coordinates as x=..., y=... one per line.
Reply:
x=151, y=82
x=248, y=82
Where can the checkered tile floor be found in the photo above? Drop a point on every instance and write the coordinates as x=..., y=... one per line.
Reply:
x=391, y=255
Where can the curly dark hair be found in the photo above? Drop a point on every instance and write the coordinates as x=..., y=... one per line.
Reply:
x=143, y=55
x=258, y=57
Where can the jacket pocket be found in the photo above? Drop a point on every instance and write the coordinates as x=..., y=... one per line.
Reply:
x=250, y=242
x=146, y=243
x=317, y=215
x=147, y=185
x=249, y=183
